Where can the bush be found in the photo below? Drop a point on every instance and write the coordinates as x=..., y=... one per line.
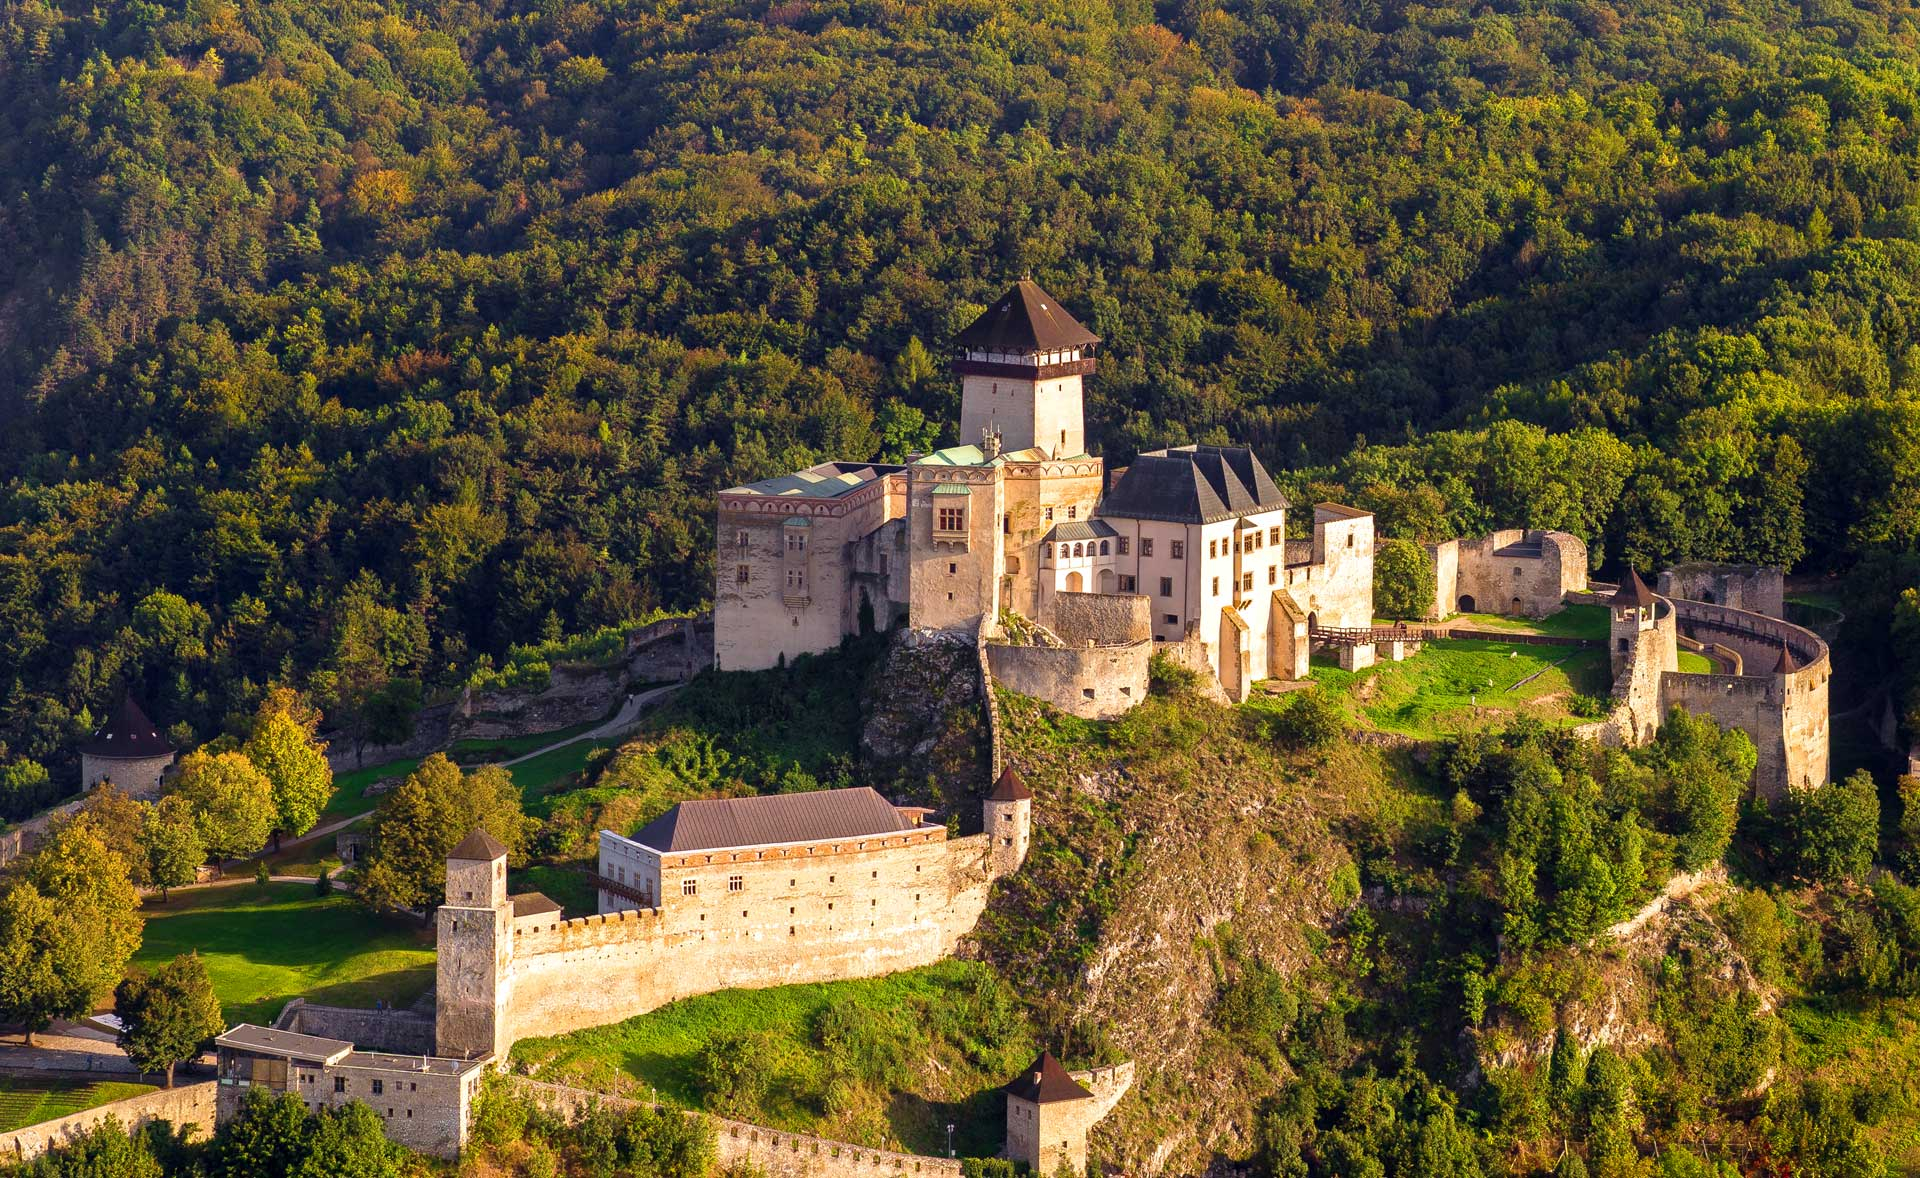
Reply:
x=1308, y=719
x=733, y=1070
x=1832, y=831
x=1169, y=677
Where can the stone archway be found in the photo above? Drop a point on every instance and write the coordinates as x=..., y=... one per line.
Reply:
x=1466, y=603
x=1074, y=582
x=1106, y=580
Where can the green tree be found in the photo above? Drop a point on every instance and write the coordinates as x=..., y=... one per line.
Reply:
x=1402, y=579
x=418, y=825
x=1832, y=830
x=271, y=1135
x=351, y=1139
x=69, y=923
x=168, y=1017
x=170, y=841
x=295, y=765
x=232, y=802
x=24, y=788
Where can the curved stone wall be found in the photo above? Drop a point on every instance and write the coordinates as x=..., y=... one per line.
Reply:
x=139, y=776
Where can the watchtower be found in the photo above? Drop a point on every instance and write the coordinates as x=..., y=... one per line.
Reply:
x=1633, y=610
x=1020, y=367
x=475, y=939
x=1048, y=1114
x=1008, y=816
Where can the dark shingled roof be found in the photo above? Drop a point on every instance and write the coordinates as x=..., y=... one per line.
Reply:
x=1010, y=787
x=1787, y=664
x=479, y=847
x=1079, y=529
x=1192, y=485
x=532, y=904
x=817, y=816
x=1025, y=319
x=128, y=735
x=1633, y=593
x=1046, y=1082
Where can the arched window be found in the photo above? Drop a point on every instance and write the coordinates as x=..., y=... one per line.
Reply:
x=1079, y=550
x=1103, y=548
x=1047, y=551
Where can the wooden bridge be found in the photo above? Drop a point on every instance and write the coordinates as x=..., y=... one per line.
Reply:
x=1368, y=635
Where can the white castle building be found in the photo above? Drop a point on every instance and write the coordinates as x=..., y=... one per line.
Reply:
x=954, y=538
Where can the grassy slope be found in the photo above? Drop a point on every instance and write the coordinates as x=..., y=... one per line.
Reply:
x=264, y=945
x=1575, y=621
x=943, y=1077
x=1461, y=684
x=29, y=1101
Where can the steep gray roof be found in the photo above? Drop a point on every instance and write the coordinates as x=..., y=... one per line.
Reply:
x=1079, y=529
x=1633, y=593
x=479, y=847
x=129, y=735
x=1192, y=485
x=817, y=816
x=1025, y=319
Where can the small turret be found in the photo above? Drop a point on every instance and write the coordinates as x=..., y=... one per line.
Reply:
x=1048, y=1115
x=1008, y=817
x=1633, y=612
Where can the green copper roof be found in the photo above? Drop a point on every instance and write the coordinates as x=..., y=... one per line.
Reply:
x=955, y=456
x=952, y=489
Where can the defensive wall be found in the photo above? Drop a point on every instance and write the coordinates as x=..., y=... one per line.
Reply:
x=803, y=913
x=1098, y=671
x=1511, y=571
x=406, y=1032
x=1751, y=587
x=188, y=1104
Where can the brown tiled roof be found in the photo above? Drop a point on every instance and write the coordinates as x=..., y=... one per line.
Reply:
x=1010, y=787
x=1633, y=593
x=816, y=816
x=129, y=734
x=478, y=847
x=1025, y=319
x=1046, y=1082
x=1787, y=664
x=532, y=904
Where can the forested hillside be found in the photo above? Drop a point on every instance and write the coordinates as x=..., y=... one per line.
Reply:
x=351, y=343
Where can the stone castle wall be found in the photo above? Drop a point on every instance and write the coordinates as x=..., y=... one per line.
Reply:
x=138, y=776
x=1471, y=576
x=188, y=1104
x=569, y=974
x=1754, y=588
x=1102, y=619
x=1094, y=683
x=405, y=1032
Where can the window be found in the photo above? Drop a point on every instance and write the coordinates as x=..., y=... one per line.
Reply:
x=1349, y=539
x=379, y=1087
x=1179, y=550
x=1623, y=645
x=1127, y=584
x=1216, y=586
x=1125, y=543
x=339, y=1083
x=1049, y=515
x=742, y=574
x=953, y=519
x=1073, y=511
x=952, y=568
x=796, y=541
x=736, y=883
x=1213, y=549
x=1171, y=619
x=1146, y=546
x=1006, y=523
x=1273, y=573
x=740, y=538
x=1246, y=581
x=1273, y=535
x=689, y=887
x=1166, y=586
x=1079, y=549
x=1103, y=548
x=1518, y=572
x=796, y=580
x=1046, y=550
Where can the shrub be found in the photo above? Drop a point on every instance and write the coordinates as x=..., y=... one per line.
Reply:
x=1169, y=677
x=1832, y=830
x=1308, y=719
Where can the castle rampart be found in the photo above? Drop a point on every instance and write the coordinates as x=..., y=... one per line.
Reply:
x=1511, y=571
x=1099, y=668
x=1753, y=588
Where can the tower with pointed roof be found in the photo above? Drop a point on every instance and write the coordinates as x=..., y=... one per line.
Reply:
x=1008, y=822
x=1048, y=1115
x=475, y=941
x=1632, y=610
x=128, y=750
x=1020, y=366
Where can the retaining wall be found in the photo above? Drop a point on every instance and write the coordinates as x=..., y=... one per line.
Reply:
x=1093, y=682
x=190, y=1104
x=402, y=1032
x=1102, y=619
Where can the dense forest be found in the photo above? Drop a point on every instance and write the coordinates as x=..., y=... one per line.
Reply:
x=349, y=344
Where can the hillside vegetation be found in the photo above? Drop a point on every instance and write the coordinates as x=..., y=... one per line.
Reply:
x=350, y=344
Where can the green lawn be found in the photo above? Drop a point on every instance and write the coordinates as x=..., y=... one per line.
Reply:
x=536, y=776
x=927, y=1029
x=1575, y=621
x=480, y=752
x=564, y=886
x=264, y=945
x=1695, y=664
x=350, y=788
x=28, y=1102
x=1458, y=684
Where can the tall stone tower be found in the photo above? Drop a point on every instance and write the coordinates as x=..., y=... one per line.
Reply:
x=1020, y=367
x=1048, y=1114
x=1009, y=823
x=1633, y=613
x=475, y=940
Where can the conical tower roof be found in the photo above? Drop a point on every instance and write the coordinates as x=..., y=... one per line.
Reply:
x=1633, y=593
x=479, y=847
x=1025, y=319
x=1787, y=664
x=1010, y=787
x=127, y=736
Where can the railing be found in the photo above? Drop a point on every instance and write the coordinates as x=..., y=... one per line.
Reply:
x=624, y=891
x=1365, y=635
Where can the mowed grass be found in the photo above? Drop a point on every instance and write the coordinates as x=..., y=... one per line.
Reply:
x=477, y=752
x=1456, y=685
x=1575, y=621
x=1695, y=664
x=350, y=788
x=28, y=1102
x=266, y=944
x=538, y=776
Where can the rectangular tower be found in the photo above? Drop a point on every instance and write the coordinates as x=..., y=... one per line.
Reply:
x=475, y=946
x=1020, y=367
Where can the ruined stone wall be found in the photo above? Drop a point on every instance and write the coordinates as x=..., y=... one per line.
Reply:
x=189, y=1104
x=837, y=921
x=404, y=1031
x=1444, y=559
x=1522, y=585
x=1094, y=682
x=1336, y=588
x=1754, y=588
x=1103, y=619
x=879, y=573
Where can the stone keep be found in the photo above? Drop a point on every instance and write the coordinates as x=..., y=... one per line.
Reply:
x=474, y=935
x=1009, y=821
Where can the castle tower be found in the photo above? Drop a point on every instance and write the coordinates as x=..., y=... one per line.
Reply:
x=1633, y=614
x=474, y=933
x=1009, y=823
x=1048, y=1114
x=128, y=751
x=1020, y=366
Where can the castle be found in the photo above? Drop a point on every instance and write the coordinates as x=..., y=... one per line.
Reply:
x=1027, y=523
